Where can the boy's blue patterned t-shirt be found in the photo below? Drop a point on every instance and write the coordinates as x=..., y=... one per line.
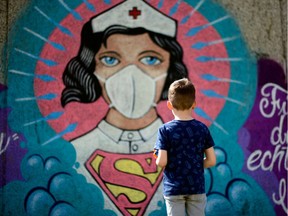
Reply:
x=185, y=142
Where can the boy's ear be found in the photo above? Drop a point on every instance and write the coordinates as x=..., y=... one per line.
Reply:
x=169, y=105
x=194, y=105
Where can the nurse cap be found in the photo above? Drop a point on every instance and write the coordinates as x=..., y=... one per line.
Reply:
x=134, y=14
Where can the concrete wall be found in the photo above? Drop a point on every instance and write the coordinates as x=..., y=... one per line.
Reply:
x=66, y=160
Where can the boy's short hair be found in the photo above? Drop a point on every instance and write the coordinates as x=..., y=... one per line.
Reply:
x=181, y=94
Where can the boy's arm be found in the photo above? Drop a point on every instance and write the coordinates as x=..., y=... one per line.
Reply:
x=210, y=159
x=161, y=160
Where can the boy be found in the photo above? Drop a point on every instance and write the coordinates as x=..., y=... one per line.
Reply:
x=181, y=144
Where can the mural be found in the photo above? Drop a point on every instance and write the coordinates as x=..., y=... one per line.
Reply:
x=86, y=93
x=265, y=147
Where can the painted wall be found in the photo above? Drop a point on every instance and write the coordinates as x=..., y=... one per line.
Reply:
x=65, y=151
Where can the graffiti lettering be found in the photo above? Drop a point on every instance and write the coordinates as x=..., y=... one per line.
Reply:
x=268, y=107
x=5, y=141
x=272, y=105
x=278, y=135
x=3, y=147
x=268, y=110
x=282, y=195
x=267, y=160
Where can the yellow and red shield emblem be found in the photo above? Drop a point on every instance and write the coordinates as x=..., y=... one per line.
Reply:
x=129, y=180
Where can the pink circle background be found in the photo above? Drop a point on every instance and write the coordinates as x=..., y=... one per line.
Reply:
x=87, y=116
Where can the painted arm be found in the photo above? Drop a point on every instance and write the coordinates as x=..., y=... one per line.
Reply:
x=161, y=160
x=210, y=159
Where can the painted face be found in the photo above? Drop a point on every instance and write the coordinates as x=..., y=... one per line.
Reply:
x=138, y=50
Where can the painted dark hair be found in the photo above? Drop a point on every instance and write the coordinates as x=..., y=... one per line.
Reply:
x=81, y=85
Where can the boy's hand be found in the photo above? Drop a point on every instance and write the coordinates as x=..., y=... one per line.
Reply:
x=155, y=153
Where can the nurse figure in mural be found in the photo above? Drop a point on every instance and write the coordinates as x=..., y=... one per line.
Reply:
x=128, y=55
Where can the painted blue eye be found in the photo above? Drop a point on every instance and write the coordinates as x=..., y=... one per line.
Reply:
x=150, y=60
x=109, y=61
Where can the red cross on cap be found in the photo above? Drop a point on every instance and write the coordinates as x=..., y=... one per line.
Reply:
x=134, y=12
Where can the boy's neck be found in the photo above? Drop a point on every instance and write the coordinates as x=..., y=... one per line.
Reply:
x=184, y=115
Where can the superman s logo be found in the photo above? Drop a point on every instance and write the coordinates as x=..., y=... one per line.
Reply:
x=129, y=180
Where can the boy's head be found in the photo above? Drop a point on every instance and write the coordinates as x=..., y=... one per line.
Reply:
x=181, y=94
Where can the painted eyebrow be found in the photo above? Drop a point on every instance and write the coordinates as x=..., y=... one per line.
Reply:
x=109, y=53
x=151, y=51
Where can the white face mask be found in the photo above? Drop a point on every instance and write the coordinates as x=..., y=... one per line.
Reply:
x=131, y=91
